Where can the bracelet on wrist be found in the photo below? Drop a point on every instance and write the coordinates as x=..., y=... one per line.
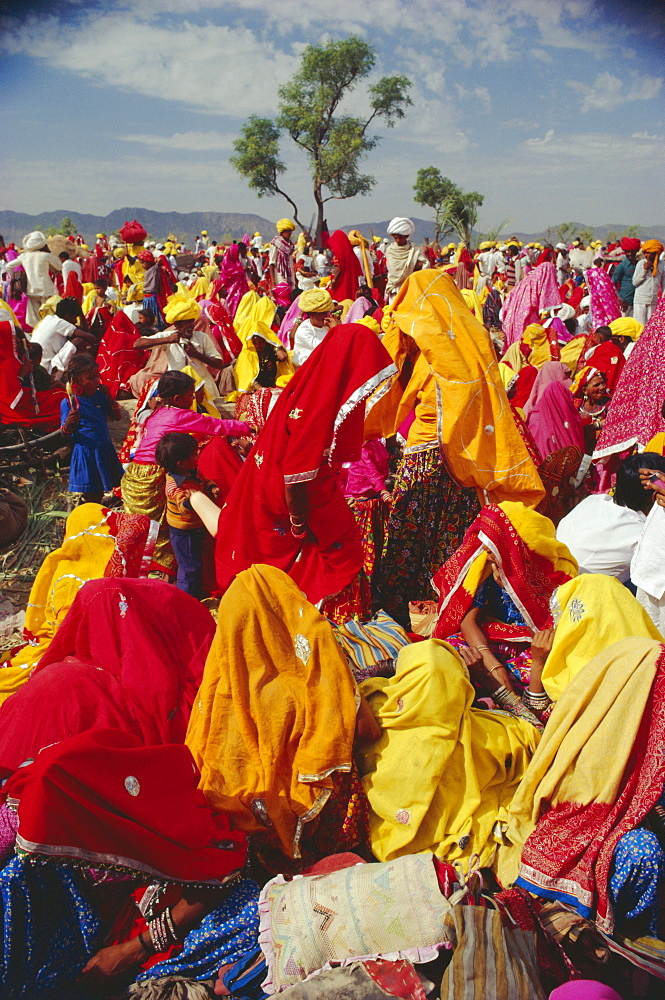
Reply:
x=298, y=534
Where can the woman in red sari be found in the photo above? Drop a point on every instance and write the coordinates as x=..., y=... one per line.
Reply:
x=117, y=357
x=20, y=404
x=286, y=507
x=347, y=271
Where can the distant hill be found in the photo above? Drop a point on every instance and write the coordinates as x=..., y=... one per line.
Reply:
x=14, y=225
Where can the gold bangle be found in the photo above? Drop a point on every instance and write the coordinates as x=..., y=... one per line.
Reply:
x=498, y=666
x=482, y=647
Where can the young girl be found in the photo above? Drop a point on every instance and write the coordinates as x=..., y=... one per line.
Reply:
x=143, y=483
x=95, y=468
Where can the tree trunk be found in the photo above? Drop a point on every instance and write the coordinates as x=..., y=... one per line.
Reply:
x=318, y=198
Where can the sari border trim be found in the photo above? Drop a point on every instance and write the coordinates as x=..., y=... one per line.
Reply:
x=612, y=449
x=558, y=886
x=149, y=548
x=357, y=397
x=301, y=477
x=79, y=854
x=506, y=582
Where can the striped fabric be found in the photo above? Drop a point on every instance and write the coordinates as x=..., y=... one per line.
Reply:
x=490, y=958
x=371, y=647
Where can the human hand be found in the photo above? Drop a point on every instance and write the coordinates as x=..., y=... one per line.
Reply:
x=471, y=656
x=72, y=421
x=281, y=354
x=109, y=962
x=541, y=647
x=331, y=320
x=26, y=368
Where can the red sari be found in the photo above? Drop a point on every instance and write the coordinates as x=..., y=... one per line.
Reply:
x=129, y=655
x=19, y=406
x=101, y=799
x=316, y=425
x=345, y=284
x=117, y=357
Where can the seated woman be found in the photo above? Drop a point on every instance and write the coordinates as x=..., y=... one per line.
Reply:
x=98, y=543
x=494, y=596
x=129, y=655
x=443, y=773
x=263, y=360
x=22, y=404
x=286, y=508
x=592, y=399
x=100, y=817
x=576, y=824
x=590, y=612
x=273, y=725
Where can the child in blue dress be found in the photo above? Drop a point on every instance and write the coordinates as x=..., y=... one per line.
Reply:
x=95, y=467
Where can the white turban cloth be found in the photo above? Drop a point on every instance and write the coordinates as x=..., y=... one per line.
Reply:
x=400, y=227
x=34, y=241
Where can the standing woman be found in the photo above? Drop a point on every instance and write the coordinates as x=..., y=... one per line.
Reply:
x=462, y=443
x=286, y=507
x=233, y=278
x=346, y=272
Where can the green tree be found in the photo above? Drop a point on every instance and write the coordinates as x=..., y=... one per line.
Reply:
x=67, y=227
x=310, y=112
x=585, y=235
x=566, y=232
x=632, y=232
x=456, y=210
x=432, y=189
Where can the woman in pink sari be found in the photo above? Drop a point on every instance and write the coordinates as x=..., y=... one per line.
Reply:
x=534, y=294
x=554, y=421
x=605, y=305
x=551, y=371
x=233, y=278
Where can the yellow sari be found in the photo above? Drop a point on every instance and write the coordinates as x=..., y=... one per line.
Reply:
x=591, y=612
x=446, y=362
x=84, y=554
x=247, y=365
x=443, y=774
x=275, y=714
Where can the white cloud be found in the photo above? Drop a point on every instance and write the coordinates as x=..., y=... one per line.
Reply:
x=481, y=94
x=636, y=152
x=211, y=67
x=202, y=142
x=608, y=92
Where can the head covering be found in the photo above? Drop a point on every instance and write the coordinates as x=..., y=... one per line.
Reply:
x=629, y=244
x=345, y=284
x=400, y=227
x=117, y=357
x=584, y=989
x=137, y=671
x=591, y=613
x=535, y=293
x=233, y=278
x=554, y=421
x=536, y=338
x=317, y=421
x=316, y=300
x=356, y=239
x=561, y=246
x=119, y=253
x=634, y=415
x=564, y=311
x=551, y=371
x=431, y=333
x=180, y=307
x=626, y=326
x=598, y=771
x=585, y=302
x=486, y=245
x=284, y=224
x=133, y=232
x=146, y=257
x=531, y=561
x=653, y=246
x=283, y=759
x=34, y=241
x=101, y=798
x=605, y=305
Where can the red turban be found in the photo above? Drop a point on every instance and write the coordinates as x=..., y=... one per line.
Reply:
x=146, y=257
x=133, y=232
x=629, y=245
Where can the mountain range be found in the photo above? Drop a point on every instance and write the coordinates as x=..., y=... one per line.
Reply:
x=225, y=225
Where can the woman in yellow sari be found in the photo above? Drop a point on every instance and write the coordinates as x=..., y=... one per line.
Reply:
x=263, y=358
x=462, y=443
x=273, y=725
x=98, y=542
x=443, y=774
x=591, y=612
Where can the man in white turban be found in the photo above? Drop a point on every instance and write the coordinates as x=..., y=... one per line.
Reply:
x=36, y=260
x=402, y=258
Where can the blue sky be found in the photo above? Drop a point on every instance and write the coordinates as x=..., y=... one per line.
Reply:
x=553, y=109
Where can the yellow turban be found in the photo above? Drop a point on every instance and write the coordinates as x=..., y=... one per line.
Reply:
x=486, y=245
x=179, y=308
x=315, y=300
x=356, y=239
x=119, y=252
x=370, y=323
x=257, y=233
x=653, y=246
x=100, y=236
x=284, y=224
x=626, y=326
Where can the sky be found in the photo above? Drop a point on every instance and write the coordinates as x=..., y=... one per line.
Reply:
x=553, y=109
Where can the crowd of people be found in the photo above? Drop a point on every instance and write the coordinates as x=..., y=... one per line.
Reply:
x=348, y=677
